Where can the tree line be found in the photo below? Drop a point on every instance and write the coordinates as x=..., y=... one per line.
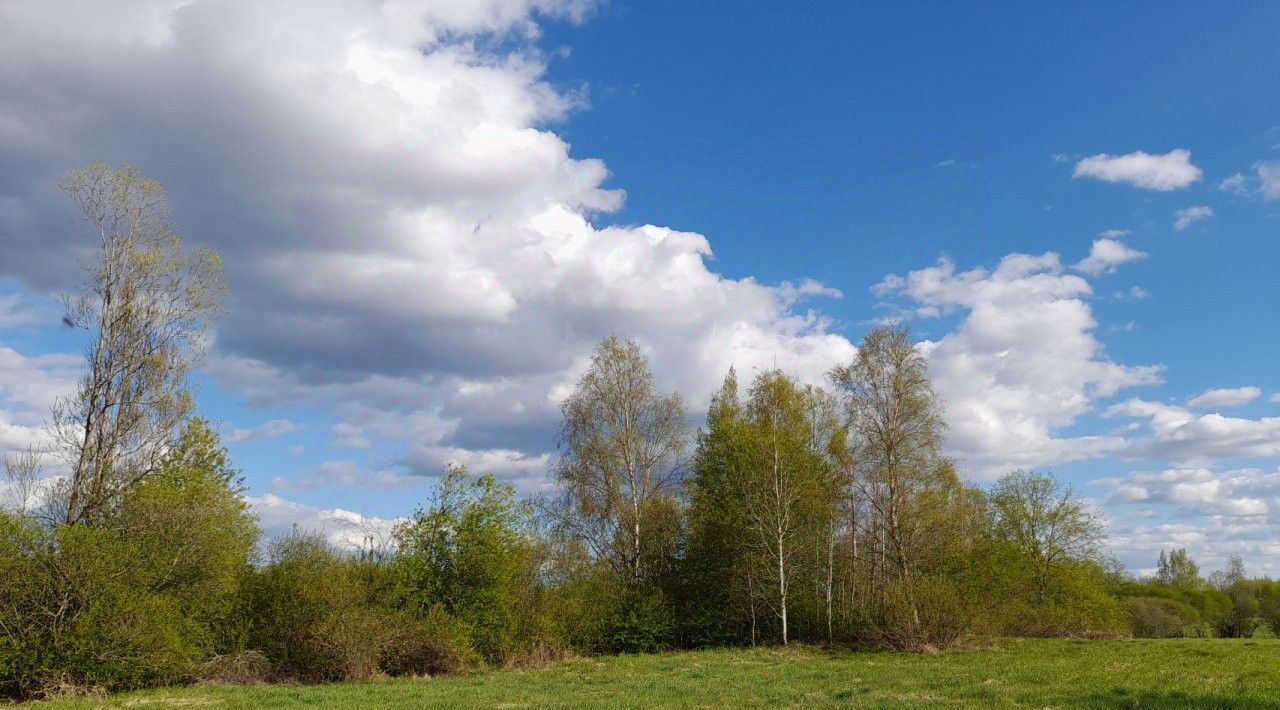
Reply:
x=794, y=513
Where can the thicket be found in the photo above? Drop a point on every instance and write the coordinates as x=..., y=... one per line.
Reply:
x=795, y=513
x=1177, y=601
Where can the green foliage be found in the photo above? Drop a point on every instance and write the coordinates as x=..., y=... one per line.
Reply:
x=622, y=445
x=1241, y=617
x=468, y=554
x=796, y=522
x=27, y=555
x=639, y=622
x=1156, y=617
x=1041, y=518
x=434, y=644
x=764, y=494
x=1177, y=569
x=1269, y=605
x=139, y=596
x=307, y=613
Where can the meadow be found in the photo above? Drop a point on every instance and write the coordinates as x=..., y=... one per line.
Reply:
x=1039, y=673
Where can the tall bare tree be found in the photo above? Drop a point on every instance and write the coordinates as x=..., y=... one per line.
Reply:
x=622, y=447
x=22, y=481
x=146, y=306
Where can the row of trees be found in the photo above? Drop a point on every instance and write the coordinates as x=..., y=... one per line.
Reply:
x=1177, y=601
x=818, y=514
x=795, y=513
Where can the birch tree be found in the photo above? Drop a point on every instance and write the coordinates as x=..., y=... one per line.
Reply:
x=146, y=306
x=786, y=488
x=622, y=445
x=896, y=435
x=1044, y=519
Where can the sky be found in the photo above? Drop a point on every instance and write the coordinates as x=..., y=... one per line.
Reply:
x=430, y=211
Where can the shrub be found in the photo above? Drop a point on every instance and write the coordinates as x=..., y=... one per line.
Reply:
x=435, y=645
x=931, y=613
x=305, y=612
x=468, y=554
x=1155, y=617
x=243, y=668
x=639, y=622
x=1240, y=617
x=131, y=639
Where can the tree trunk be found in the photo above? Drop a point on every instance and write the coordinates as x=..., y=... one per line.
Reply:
x=831, y=561
x=782, y=589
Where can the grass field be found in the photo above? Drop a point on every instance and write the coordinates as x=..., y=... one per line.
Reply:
x=1192, y=673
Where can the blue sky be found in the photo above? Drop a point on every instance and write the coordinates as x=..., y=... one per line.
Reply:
x=429, y=211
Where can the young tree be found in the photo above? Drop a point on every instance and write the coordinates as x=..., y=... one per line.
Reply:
x=896, y=433
x=1042, y=518
x=1177, y=569
x=622, y=445
x=720, y=576
x=1234, y=573
x=22, y=482
x=146, y=307
x=468, y=553
x=764, y=493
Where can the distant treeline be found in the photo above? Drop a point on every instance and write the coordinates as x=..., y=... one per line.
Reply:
x=795, y=513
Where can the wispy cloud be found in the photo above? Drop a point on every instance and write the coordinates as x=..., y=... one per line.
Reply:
x=266, y=430
x=1228, y=397
x=1190, y=215
x=1269, y=173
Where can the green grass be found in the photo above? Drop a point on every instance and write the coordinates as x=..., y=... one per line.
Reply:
x=1191, y=673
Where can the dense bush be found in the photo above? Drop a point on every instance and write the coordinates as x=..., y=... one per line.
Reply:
x=308, y=613
x=470, y=555
x=1156, y=617
x=137, y=598
x=433, y=644
x=638, y=621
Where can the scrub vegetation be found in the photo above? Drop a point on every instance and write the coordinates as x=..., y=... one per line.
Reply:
x=825, y=514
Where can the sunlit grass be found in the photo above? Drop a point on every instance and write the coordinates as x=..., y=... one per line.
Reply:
x=1199, y=673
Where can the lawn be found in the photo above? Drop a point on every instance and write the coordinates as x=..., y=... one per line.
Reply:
x=1190, y=673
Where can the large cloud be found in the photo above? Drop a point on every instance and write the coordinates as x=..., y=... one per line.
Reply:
x=1023, y=364
x=1212, y=513
x=29, y=386
x=345, y=529
x=1179, y=435
x=404, y=233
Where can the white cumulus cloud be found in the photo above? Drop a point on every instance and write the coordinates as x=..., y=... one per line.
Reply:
x=1023, y=364
x=1213, y=514
x=403, y=227
x=1162, y=172
x=1178, y=435
x=345, y=529
x=1106, y=255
